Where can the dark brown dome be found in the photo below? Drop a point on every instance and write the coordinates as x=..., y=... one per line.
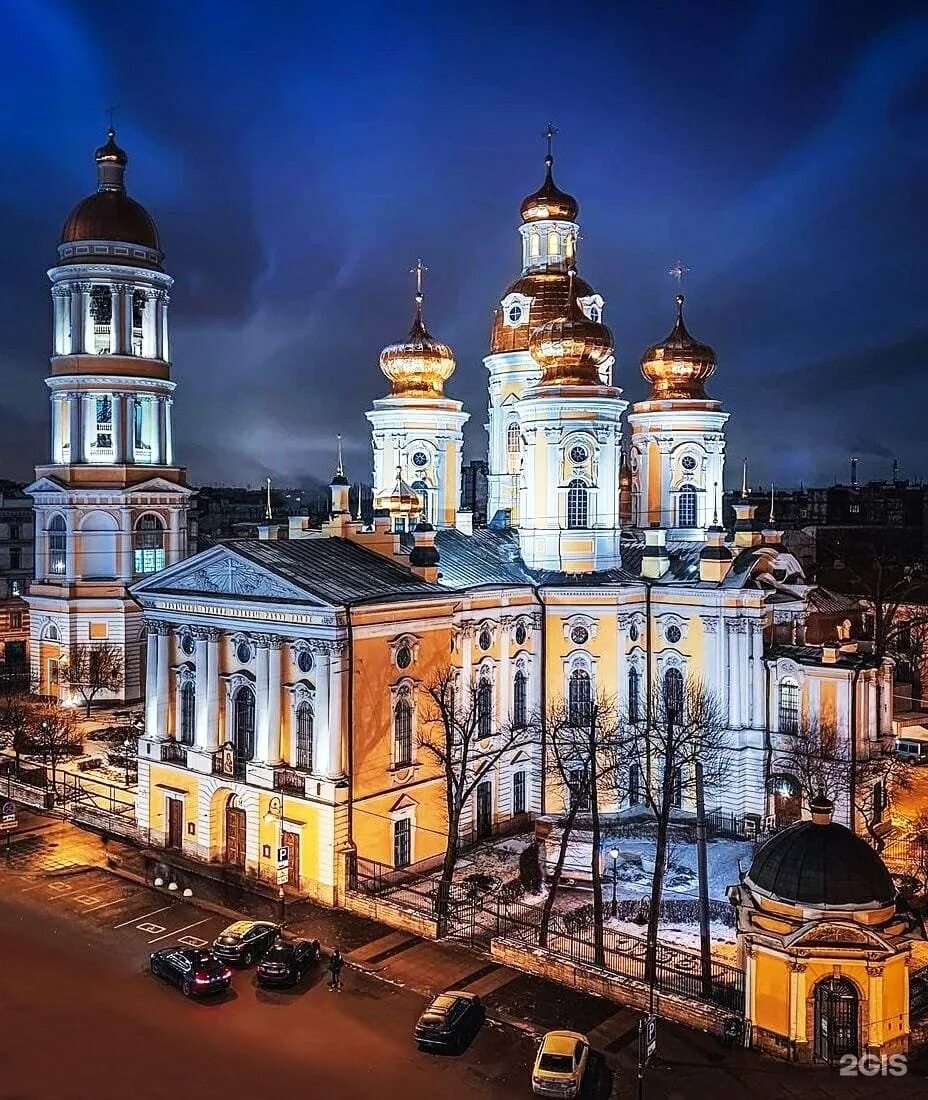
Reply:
x=549, y=293
x=571, y=349
x=110, y=216
x=549, y=202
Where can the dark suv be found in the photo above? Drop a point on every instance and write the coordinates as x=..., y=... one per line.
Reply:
x=246, y=941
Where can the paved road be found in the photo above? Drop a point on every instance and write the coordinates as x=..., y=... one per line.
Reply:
x=80, y=1017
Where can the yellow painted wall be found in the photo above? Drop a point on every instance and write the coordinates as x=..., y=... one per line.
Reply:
x=771, y=993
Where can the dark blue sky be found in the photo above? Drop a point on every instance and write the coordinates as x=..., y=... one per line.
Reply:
x=297, y=157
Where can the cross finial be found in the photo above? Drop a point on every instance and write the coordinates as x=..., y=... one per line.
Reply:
x=679, y=271
x=419, y=270
x=268, y=514
x=772, y=488
x=549, y=135
x=111, y=111
x=339, y=469
x=744, y=480
x=715, y=507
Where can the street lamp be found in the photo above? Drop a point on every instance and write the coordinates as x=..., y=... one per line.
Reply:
x=275, y=812
x=126, y=746
x=615, y=875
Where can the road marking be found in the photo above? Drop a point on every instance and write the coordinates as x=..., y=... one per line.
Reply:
x=115, y=901
x=148, y=927
x=59, y=887
x=86, y=899
x=192, y=941
x=132, y=920
x=176, y=930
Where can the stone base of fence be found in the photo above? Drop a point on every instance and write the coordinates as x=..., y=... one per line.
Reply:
x=113, y=824
x=616, y=988
x=406, y=920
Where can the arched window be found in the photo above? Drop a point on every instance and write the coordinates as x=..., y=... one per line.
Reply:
x=148, y=552
x=519, y=699
x=673, y=694
x=534, y=247
x=188, y=712
x=484, y=708
x=57, y=546
x=513, y=439
x=579, y=697
x=634, y=785
x=554, y=243
x=304, y=736
x=686, y=507
x=576, y=504
x=788, y=709
x=634, y=695
x=402, y=734
x=243, y=724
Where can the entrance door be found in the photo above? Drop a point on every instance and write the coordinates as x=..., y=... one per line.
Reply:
x=484, y=810
x=175, y=823
x=787, y=800
x=235, y=836
x=836, y=1018
x=291, y=841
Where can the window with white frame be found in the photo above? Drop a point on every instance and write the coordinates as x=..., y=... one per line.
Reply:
x=687, y=507
x=788, y=708
x=402, y=842
x=57, y=546
x=304, y=736
x=577, y=504
x=519, y=801
x=673, y=694
x=402, y=733
x=188, y=712
x=634, y=695
x=519, y=699
x=148, y=549
x=579, y=697
x=484, y=708
x=513, y=438
x=554, y=243
x=579, y=788
x=243, y=724
x=103, y=423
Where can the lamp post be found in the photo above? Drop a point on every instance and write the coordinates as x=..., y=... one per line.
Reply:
x=126, y=745
x=275, y=811
x=614, y=853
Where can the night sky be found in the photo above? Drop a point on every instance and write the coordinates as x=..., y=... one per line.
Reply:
x=298, y=157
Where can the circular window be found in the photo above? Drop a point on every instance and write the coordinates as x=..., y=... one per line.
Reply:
x=520, y=635
x=579, y=635
x=633, y=632
x=243, y=652
x=403, y=657
x=594, y=313
x=515, y=314
x=304, y=661
x=578, y=453
x=420, y=459
x=673, y=634
x=688, y=463
x=187, y=644
x=484, y=640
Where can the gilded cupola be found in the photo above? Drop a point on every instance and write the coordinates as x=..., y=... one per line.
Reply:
x=678, y=366
x=421, y=365
x=549, y=202
x=571, y=349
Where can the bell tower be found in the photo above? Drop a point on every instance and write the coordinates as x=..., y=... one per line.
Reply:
x=111, y=504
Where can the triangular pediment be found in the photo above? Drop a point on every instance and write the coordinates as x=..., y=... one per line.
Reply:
x=404, y=802
x=221, y=572
x=837, y=933
x=159, y=485
x=44, y=485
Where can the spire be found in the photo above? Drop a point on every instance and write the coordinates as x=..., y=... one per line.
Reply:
x=549, y=135
x=715, y=504
x=339, y=476
x=770, y=517
x=418, y=325
x=268, y=514
x=744, y=480
x=549, y=202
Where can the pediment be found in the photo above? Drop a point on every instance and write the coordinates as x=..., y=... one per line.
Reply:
x=837, y=933
x=404, y=802
x=221, y=572
x=159, y=485
x=44, y=485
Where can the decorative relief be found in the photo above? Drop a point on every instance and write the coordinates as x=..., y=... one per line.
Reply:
x=235, y=578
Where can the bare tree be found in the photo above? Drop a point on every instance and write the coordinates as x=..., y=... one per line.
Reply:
x=18, y=719
x=93, y=668
x=55, y=735
x=459, y=735
x=682, y=725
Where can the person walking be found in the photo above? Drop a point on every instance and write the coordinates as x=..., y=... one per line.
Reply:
x=336, y=962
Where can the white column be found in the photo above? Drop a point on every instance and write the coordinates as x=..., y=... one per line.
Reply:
x=212, y=689
x=128, y=421
x=273, y=700
x=151, y=683
x=75, y=448
x=202, y=690
x=466, y=669
x=88, y=424
x=164, y=350
x=162, y=702
x=168, y=457
x=159, y=425
x=76, y=343
x=118, y=430
x=88, y=341
x=336, y=710
x=503, y=690
x=149, y=320
x=56, y=427
x=872, y=727
x=175, y=550
x=734, y=674
x=321, y=715
x=70, y=555
x=760, y=716
x=261, y=685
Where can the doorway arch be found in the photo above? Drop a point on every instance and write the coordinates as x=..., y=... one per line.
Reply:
x=837, y=1019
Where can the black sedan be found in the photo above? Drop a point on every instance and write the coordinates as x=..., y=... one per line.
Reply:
x=450, y=1021
x=246, y=941
x=195, y=973
x=287, y=962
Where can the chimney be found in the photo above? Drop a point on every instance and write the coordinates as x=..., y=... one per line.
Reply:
x=830, y=654
x=271, y=532
x=715, y=558
x=464, y=521
x=654, y=559
x=423, y=560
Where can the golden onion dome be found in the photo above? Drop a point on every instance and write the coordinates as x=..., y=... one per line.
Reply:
x=421, y=365
x=402, y=500
x=678, y=366
x=571, y=349
x=549, y=202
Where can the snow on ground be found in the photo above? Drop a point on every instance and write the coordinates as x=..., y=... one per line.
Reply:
x=636, y=865
x=683, y=935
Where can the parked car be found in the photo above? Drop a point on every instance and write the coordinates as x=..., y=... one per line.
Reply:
x=450, y=1021
x=912, y=747
x=287, y=961
x=196, y=973
x=246, y=941
x=560, y=1064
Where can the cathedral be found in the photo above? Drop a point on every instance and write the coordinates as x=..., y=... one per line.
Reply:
x=284, y=677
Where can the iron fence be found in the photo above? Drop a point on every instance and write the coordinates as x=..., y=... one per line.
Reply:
x=918, y=994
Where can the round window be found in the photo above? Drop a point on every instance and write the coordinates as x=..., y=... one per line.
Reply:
x=304, y=661
x=187, y=644
x=520, y=635
x=243, y=652
x=485, y=640
x=578, y=453
x=688, y=463
x=579, y=635
x=515, y=314
x=403, y=657
x=633, y=632
x=420, y=459
x=673, y=634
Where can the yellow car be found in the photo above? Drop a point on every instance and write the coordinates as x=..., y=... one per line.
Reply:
x=560, y=1064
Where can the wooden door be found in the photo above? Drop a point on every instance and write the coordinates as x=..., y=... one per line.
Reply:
x=235, y=836
x=291, y=841
x=175, y=823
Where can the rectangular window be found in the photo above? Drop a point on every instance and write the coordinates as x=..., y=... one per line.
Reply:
x=518, y=793
x=148, y=560
x=16, y=620
x=16, y=588
x=580, y=794
x=104, y=428
x=402, y=842
x=14, y=532
x=98, y=632
x=16, y=557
